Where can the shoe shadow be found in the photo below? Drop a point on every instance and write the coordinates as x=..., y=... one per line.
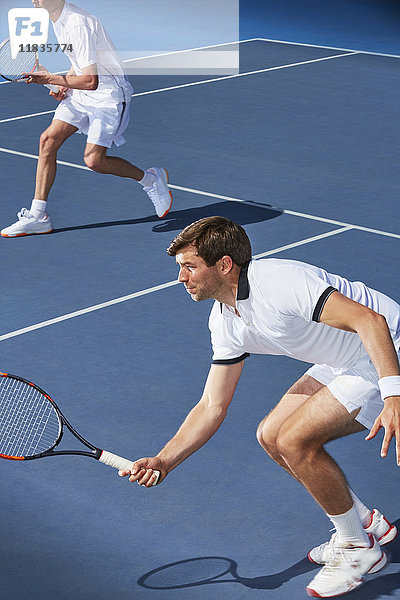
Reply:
x=393, y=549
x=208, y=570
x=380, y=587
x=243, y=214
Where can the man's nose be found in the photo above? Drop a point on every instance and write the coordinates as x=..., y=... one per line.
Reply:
x=182, y=277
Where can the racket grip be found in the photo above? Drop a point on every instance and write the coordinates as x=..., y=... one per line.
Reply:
x=53, y=88
x=113, y=460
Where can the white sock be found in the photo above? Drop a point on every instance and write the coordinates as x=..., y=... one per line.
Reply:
x=349, y=528
x=38, y=208
x=364, y=512
x=148, y=179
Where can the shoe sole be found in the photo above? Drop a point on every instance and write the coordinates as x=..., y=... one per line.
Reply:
x=389, y=535
x=24, y=234
x=378, y=566
x=313, y=561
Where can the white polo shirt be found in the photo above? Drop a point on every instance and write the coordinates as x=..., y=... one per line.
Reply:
x=92, y=45
x=279, y=302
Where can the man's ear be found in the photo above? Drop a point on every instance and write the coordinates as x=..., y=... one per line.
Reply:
x=226, y=264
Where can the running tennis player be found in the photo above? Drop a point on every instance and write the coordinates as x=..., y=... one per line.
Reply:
x=351, y=335
x=94, y=99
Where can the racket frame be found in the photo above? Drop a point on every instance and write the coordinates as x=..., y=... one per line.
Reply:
x=94, y=451
x=103, y=456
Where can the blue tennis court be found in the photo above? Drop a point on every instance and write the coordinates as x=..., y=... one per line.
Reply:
x=301, y=148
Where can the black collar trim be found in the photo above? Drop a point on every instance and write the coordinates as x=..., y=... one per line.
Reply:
x=243, y=290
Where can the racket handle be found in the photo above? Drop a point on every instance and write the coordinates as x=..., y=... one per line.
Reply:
x=53, y=88
x=113, y=460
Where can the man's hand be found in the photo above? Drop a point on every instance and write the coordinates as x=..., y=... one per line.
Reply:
x=389, y=419
x=60, y=95
x=143, y=471
x=39, y=77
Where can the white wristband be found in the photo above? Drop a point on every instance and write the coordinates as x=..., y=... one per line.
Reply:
x=389, y=386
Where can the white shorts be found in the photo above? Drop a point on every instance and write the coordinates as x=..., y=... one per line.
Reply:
x=103, y=126
x=354, y=388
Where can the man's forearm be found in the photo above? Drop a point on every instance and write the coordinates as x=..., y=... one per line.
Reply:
x=199, y=426
x=76, y=82
x=375, y=336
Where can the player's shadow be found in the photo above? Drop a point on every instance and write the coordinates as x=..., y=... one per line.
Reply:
x=213, y=569
x=178, y=219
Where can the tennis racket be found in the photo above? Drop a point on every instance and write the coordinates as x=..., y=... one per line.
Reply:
x=12, y=69
x=31, y=426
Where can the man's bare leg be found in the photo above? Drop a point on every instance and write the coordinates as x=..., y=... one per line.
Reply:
x=96, y=159
x=269, y=427
x=300, y=442
x=50, y=142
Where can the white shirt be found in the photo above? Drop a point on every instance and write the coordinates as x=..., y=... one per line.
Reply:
x=279, y=302
x=92, y=45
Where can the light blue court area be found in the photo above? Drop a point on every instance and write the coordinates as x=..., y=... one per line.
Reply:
x=301, y=148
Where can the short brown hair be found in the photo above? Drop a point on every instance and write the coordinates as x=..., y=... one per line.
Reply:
x=213, y=238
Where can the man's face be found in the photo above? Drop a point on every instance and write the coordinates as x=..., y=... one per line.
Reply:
x=201, y=282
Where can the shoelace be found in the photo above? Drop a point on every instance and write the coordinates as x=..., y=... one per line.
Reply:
x=24, y=214
x=339, y=556
x=332, y=539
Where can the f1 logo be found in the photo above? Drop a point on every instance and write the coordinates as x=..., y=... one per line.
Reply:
x=27, y=26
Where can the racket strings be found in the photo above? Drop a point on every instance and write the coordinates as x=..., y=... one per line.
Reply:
x=29, y=424
x=13, y=68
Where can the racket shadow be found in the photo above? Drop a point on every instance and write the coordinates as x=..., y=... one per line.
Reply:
x=207, y=570
x=243, y=214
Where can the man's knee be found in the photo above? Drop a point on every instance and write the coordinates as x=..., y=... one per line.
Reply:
x=296, y=445
x=50, y=142
x=95, y=162
x=266, y=435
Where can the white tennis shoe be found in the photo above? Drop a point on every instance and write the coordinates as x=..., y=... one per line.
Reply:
x=346, y=569
x=159, y=193
x=379, y=527
x=27, y=225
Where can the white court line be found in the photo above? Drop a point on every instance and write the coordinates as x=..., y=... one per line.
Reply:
x=156, y=288
x=288, y=66
x=314, y=238
x=231, y=199
x=325, y=47
x=204, y=81
x=127, y=60
x=46, y=112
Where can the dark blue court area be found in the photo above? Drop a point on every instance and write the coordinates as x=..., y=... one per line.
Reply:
x=302, y=150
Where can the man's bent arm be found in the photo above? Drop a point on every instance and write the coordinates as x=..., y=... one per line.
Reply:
x=198, y=427
x=343, y=313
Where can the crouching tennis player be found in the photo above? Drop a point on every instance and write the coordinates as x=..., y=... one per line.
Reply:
x=351, y=335
x=94, y=100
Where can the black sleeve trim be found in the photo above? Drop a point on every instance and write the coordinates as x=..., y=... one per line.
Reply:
x=321, y=303
x=230, y=361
